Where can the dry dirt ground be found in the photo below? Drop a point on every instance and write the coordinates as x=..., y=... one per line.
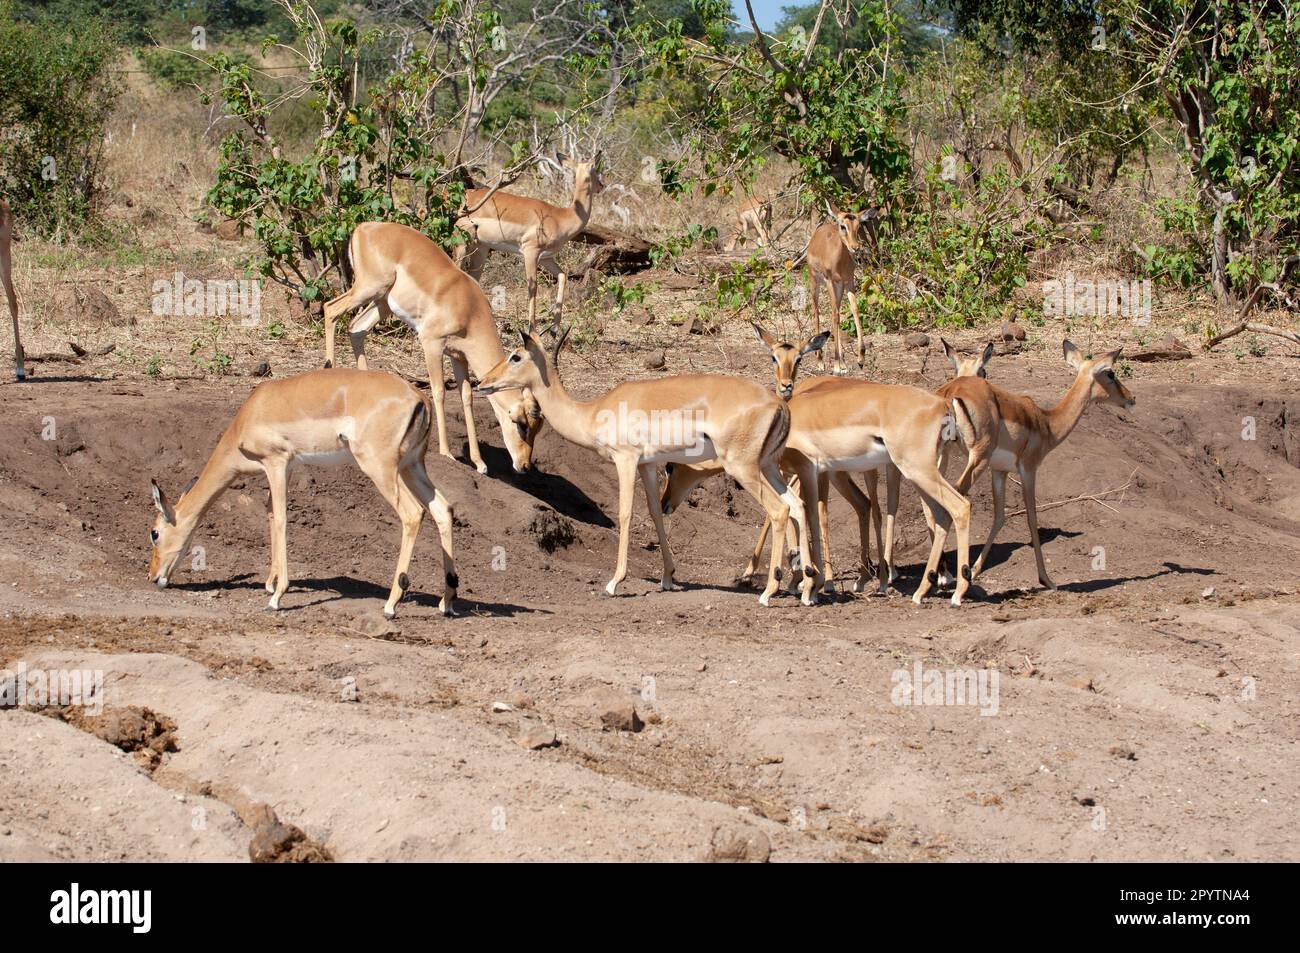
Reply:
x=1145, y=711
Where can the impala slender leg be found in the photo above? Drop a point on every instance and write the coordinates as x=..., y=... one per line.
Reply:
x=530, y=254
x=892, y=483
x=813, y=283
x=752, y=566
x=751, y=479
x=627, y=466
x=843, y=482
x=857, y=327
x=418, y=482
x=999, y=480
x=835, y=289
x=6, y=275
x=1027, y=478
x=277, y=478
x=460, y=371
x=803, y=509
x=397, y=493
x=939, y=493
x=433, y=350
x=650, y=481
x=823, y=526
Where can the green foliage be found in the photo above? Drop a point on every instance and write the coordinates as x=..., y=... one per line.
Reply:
x=366, y=160
x=834, y=114
x=58, y=93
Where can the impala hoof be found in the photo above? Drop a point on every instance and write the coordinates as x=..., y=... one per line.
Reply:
x=611, y=587
x=481, y=467
x=390, y=615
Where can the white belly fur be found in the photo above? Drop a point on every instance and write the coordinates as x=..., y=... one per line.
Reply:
x=873, y=459
x=1003, y=460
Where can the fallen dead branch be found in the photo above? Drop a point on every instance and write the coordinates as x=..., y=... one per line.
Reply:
x=77, y=355
x=1086, y=497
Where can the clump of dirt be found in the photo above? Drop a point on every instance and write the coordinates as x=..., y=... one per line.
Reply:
x=275, y=842
x=139, y=731
x=745, y=845
x=551, y=530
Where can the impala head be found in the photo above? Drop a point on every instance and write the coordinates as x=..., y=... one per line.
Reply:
x=1105, y=385
x=527, y=366
x=585, y=171
x=786, y=357
x=850, y=224
x=521, y=421
x=968, y=365
x=169, y=542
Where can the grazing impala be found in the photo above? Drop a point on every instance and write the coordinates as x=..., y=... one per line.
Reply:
x=830, y=260
x=531, y=228
x=640, y=424
x=7, y=238
x=752, y=214
x=378, y=420
x=398, y=270
x=1012, y=433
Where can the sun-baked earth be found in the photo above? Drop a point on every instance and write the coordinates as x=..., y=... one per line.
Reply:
x=1147, y=710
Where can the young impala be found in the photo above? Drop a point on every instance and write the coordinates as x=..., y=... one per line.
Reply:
x=7, y=238
x=529, y=227
x=328, y=416
x=397, y=270
x=1012, y=433
x=641, y=424
x=752, y=214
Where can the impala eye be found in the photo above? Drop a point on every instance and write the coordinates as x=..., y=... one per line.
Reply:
x=153, y=536
x=514, y=358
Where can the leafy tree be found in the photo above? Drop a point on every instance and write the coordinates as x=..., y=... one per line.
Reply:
x=58, y=94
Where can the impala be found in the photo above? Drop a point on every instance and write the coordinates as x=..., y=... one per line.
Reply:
x=849, y=426
x=640, y=424
x=398, y=270
x=531, y=228
x=752, y=214
x=1012, y=433
x=378, y=420
x=7, y=238
x=830, y=260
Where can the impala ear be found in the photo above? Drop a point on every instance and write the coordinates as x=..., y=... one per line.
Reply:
x=815, y=343
x=562, y=158
x=160, y=501
x=950, y=354
x=987, y=355
x=763, y=336
x=1073, y=356
x=1108, y=360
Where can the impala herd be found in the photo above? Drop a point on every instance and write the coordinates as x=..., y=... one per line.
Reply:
x=786, y=448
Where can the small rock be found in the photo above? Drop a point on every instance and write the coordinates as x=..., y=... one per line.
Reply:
x=917, y=340
x=621, y=716
x=745, y=845
x=263, y=369
x=697, y=326
x=521, y=700
x=1209, y=592
x=656, y=361
x=499, y=707
x=1123, y=751
x=534, y=735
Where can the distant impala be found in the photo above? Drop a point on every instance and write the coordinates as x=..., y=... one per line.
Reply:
x=529, y=227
